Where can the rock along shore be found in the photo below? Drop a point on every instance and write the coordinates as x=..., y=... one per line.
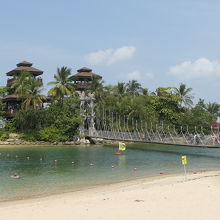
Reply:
x=79, y=141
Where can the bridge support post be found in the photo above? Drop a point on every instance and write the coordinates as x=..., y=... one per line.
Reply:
x=87, y=114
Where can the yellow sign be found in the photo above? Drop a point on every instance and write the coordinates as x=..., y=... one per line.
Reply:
x=184, y=161
x=122, y=146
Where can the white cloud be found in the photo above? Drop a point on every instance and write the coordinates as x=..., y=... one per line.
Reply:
x=137, y=75
x=99, y=56
x=122, y=53
x=201, y=68
x=110, y=56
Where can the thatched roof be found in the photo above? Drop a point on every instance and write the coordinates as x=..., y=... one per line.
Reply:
x=11, y=97
x=25, y=66
x=16, y=97
x=24, y=63
x=85, y=72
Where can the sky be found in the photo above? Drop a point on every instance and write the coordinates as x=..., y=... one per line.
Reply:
x=159, y=43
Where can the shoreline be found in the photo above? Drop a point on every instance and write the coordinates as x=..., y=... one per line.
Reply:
x=37, y=144
x=100, y=186
x=135, y=181
x=164, y=197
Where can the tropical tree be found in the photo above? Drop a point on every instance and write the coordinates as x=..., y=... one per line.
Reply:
x=166, y=105
x=201, y=103
x=199, y=117
x=120, y=89
x=21, y=83
x=64, y=116
x=32, y=96
x=97, y=87
x=28, y=90
x=213, y=108
x=3, y=92
x=96, y=84
x=145, y=91
x=133, y=87
x=63, y=84
x=185, y=95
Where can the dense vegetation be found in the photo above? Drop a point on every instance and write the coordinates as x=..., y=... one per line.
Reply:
x=60, y=118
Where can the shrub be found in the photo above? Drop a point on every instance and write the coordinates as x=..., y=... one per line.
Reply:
x=4, y=136
x=33, y=136
x=51, y=134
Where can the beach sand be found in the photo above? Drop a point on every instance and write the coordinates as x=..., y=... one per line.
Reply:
x=169, y=197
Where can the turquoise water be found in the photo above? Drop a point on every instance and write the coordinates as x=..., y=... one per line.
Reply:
x=47, y=176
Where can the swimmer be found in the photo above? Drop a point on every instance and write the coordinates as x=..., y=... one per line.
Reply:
x=91, y=164
x=15, y=176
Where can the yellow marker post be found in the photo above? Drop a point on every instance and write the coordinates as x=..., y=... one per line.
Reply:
x=184, y=162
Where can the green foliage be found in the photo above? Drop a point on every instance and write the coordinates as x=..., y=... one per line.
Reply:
x=29, y=120
x=166, y=105
x=21, y=82
x=29, y=90
x=51, y=134
x=3, y=91
x=185, y=96
x=31, y=136
x=59, y=121
x=9, y=125
x=64, y=116
x=198, y=117
x=133, y=87
x=162, y=106
x=213, y=108
x=63, y=85
x=33, y=97
x=4, y=135
x=61, y=118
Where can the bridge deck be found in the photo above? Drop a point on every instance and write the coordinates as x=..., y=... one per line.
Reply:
x=155, y=142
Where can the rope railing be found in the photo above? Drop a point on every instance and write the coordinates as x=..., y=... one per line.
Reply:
x=114, y=126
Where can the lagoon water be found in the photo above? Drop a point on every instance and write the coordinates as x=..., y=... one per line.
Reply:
x=48, y=177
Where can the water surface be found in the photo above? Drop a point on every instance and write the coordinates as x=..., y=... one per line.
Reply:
x=48, y=176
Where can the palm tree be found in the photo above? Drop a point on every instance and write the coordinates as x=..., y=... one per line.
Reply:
x=63, y=84
x=21, y=83
x=28, y=90
x=145, y=91
x=184, y=94
x=97, y=86
x=32, y=96
x=213, y=108
x=121, y=89
x=133, y=87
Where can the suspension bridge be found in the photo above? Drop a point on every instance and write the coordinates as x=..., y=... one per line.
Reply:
x=113, y=126
x=104, y=124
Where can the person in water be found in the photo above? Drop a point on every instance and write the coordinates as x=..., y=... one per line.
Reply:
x=15, y=176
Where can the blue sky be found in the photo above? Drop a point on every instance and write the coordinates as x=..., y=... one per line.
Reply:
x=157, y=42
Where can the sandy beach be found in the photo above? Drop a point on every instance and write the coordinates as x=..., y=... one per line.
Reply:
x=167, y=197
